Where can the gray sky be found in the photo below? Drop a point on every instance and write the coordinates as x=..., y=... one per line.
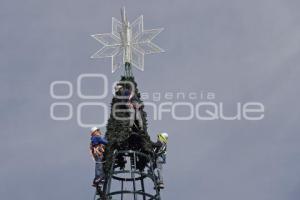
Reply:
x=241, y=50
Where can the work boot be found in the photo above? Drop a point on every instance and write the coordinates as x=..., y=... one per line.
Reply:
x=161, y=185
x=96, y=182
x=102, y=181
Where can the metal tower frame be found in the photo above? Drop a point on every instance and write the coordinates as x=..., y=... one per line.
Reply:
x=134, y=176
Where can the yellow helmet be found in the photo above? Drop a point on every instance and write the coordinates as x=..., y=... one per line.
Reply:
x=163, y=137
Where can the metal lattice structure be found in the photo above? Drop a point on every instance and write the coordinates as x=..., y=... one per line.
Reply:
x=130, y=183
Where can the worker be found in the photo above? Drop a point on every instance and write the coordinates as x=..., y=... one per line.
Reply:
x=133, y=103
x=97, y=148
x=122, y=92
x=135, y=110
x=160, y=150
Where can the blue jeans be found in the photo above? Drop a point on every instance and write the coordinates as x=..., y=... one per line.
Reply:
x=99, y=173
x=159, y=163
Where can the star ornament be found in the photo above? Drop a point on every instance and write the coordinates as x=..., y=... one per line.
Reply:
x=127, y=43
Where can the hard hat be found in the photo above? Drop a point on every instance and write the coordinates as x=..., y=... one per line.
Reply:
x=163, y=137
x=93, y=129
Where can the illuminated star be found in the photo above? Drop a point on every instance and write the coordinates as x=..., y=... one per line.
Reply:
x=128, y=43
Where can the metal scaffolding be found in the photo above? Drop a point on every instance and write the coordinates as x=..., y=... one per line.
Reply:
x=130, y=183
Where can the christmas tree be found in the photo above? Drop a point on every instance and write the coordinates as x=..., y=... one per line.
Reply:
x=120, y=134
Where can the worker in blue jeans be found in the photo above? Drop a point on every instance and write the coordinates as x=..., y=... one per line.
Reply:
x=97, y=148
x=160, y=149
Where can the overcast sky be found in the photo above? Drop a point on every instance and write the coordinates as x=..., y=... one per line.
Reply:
x=241, y=50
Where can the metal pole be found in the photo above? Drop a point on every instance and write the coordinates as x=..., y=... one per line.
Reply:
x=122, y=188
x=155, y=179
x=128, y=71
x=111, y=174
x=133, y=175
x=143, y=188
